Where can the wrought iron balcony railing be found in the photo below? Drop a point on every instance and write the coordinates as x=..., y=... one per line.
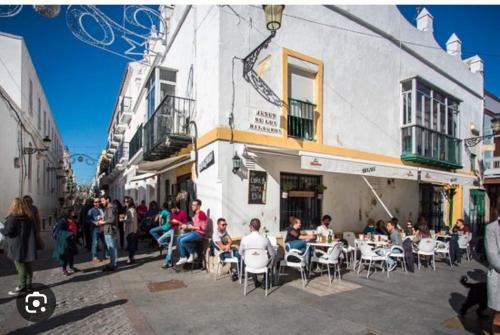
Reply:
x=167, y=130
x=135, y=143
x=301, y=119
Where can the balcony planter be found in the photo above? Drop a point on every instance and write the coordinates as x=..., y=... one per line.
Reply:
x=286, y=188
x=321, y=188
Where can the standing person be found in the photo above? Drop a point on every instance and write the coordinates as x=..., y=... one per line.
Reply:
x=121, y=216
x=93, y=216
x=195, y=232
x=492, y=247
x=130, y=227
x=255, y=240
x=86, y=225
x=65, y=247
x=36, y=219
x=141, y=210
x=21, y=246
x=110, y=222
x=72, y=224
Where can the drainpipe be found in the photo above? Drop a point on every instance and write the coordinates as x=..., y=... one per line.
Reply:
x=377, y=196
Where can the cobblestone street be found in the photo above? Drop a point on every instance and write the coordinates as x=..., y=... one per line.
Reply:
x=93, y=302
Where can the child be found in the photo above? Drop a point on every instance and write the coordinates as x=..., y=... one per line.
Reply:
x=65, y=248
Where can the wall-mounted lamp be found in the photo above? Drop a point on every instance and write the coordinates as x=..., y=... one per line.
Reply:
x=237, y=163
x=32, y=150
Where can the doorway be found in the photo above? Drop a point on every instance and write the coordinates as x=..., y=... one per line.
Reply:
x=477, y=211
x=431, y=205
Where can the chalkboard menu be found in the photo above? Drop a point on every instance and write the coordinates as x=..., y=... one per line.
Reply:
x=257, y=187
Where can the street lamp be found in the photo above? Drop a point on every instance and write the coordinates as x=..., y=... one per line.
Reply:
x=273, y=14
x=237, y=163
x=32, y=150
x=495, y=128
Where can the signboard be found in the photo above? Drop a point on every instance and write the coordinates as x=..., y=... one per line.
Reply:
x=257, y=187
x=207, y=161
x=265, y=122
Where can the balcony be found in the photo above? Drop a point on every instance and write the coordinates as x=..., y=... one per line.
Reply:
x=135, y=143
x=492, y=166
x=301, y=119
x=125, y=110
x=118, y=162
x=430, y=147
x=167, y=130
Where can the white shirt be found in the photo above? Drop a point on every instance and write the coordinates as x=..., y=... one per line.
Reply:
x=254, y=240
x=322, y=230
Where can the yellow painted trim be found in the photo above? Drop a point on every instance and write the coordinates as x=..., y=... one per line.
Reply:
x=183, y=169
x=458, y=204
x=248, y=137
x=318, y=92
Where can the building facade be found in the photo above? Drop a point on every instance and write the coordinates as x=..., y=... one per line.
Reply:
x=26, y=125
x=361, y=119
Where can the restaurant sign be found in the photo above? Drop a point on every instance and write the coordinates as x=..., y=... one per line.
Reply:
x=257, y=187
x=207, y=161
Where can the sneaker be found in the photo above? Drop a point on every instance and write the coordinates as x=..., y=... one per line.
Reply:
x=66, y=272
x=190, y=259
x=18, y=290
x=75, y=269
x=96, y=260
x=392, y=267
x=183, y=260
x=165, y=266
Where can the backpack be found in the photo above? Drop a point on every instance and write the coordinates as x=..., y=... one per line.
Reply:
x=57, y=228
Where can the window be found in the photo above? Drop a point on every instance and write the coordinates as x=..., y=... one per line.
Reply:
x=473, y=162
x=39, y=114
x=430, y=125
x=31, y=98
x=160, y=84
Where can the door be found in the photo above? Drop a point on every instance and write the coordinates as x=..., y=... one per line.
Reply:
x=477, y=211
x=185, y=193
x=302, y=200
x=431, y=205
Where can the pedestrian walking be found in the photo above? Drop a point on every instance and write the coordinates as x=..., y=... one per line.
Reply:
x=110, y=223
x=94, y=215
x=121, y=214
x=131, y=228
x=65, y=248
x=86, y=224
x=36, y=218
x=21, y=245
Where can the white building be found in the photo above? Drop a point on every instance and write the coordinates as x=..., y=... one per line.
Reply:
x=351, y=98
x=25, y=120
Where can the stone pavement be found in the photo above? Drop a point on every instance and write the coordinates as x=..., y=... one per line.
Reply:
x=93, y=302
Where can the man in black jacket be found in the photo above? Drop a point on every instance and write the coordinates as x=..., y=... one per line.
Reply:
x=110, y=222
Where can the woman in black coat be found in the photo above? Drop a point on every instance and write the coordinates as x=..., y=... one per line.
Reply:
x=21, y=244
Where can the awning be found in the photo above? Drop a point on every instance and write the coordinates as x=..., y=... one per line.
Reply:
x=337, y=164
x=271, y=150
x=142, y=176
x=163, y=165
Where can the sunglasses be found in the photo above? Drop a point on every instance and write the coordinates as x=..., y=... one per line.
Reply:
x=224, y=224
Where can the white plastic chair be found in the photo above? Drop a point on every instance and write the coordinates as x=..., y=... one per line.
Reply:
x=256, y=262
x=443, y=248
x=332, y=257
x=350, y=251
x=463, y=243
x=427, y=247
x=368, y=254
x=221, y=263
x=399, y=256
x=296, y=259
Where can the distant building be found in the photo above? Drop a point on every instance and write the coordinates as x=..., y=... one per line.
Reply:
x=350, y=111
x=25, y=121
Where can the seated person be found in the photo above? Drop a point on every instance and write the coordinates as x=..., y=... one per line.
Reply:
x=322, y=229
x=223, y=242
x=296, y=240
x=421, y=232
x=194, y=232
x=409, y=230
x=370, y=227
x=255, y=240
x=380, y=228
x=160, y=232
x=461, y=227
x=177, y=216
x=395, y=238
x=149, y=218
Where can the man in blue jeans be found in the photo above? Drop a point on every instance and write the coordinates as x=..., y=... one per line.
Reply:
x=223, y=242
x=110, y=222
x=93, y=216
x=196, y=233
x=159, y=232
x=298, y=241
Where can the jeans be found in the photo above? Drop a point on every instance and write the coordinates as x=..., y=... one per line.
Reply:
x=112, y=245
x=164, y=240
x=158, y=234
x=185, y=243
x=97, y=235
x=132, y=245
x=25, y=273
x=301, y=245
x=385, y=252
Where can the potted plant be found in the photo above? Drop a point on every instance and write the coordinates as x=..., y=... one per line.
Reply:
x=287, y=187
x=320, y=189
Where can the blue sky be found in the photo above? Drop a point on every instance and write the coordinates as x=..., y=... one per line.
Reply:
x=81, y=82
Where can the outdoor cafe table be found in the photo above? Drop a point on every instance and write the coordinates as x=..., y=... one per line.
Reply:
x=377, y=244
